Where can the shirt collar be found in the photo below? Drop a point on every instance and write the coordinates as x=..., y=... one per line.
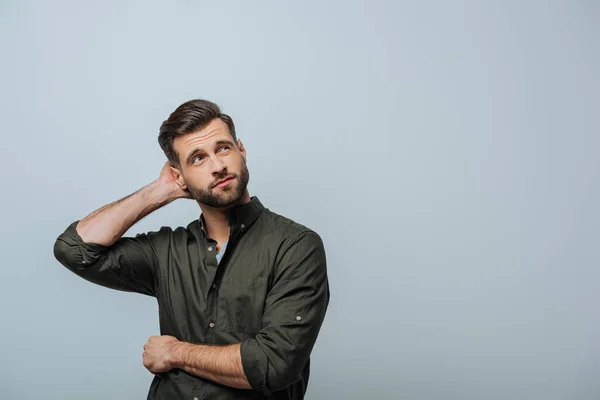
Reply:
x=241, y=216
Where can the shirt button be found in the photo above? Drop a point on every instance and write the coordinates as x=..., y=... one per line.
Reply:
x=195, y=398
x=298, y=318
x=243, y=226
x=211, y=324
x=210, y=248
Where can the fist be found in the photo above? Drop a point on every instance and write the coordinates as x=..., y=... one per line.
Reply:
x=159, y=353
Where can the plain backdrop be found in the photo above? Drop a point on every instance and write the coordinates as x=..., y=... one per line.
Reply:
x=446, y=151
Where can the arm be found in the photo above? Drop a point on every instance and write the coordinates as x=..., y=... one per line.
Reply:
x=294, y=313
x=107, y=224
x=221, y=364
x=94, y=248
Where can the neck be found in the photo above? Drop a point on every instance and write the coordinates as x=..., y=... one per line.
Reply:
x=217, y=219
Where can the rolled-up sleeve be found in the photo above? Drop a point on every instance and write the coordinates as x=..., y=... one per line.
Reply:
x=128, y=265
x=294, y=313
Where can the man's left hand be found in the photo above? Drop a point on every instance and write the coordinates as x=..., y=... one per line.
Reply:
x=159, y=353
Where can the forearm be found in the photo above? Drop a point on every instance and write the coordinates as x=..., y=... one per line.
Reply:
x=221, y=364
x=107, y=224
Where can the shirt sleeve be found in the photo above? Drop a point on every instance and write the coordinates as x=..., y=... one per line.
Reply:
x=294, y=312
x=129, y=265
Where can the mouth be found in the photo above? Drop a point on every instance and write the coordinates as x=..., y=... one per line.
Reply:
x=224, y=182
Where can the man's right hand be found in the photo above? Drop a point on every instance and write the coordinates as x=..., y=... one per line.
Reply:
x=167, y=181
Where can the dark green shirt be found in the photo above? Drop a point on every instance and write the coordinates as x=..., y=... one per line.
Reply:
x=270, y=293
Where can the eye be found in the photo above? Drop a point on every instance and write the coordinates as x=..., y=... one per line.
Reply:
x=196, y=159
x=223, y=148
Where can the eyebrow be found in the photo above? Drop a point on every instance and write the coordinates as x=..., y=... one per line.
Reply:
x=224, y=141
x=196, y=150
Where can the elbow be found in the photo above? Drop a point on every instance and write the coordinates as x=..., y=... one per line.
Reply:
x=267, y=371
x=63, y=252
x=66, y=250
x=280, y=379
x=72, y=252
x=69, y=255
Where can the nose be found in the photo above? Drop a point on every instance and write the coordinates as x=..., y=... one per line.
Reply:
x=218, y=166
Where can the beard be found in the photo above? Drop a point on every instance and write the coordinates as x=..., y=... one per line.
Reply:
x=226, y=196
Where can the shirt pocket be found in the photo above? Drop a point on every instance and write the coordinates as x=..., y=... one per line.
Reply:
x=241, y=305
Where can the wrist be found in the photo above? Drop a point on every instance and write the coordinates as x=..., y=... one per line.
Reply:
x=176, y=356
x=159, y=193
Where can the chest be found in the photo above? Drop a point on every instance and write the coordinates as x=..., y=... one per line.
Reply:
x=215, y=298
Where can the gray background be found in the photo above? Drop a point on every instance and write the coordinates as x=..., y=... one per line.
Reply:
x=447, y=152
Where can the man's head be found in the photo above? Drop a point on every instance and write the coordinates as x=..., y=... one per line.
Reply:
x=206, y=158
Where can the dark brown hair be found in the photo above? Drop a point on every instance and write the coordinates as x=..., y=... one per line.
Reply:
x=189, y=117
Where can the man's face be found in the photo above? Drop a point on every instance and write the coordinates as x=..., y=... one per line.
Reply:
x=212, y=167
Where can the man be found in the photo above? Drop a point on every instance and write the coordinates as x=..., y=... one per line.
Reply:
x=242, y=291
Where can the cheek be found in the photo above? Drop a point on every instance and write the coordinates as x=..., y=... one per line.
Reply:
x=196, y=182
x=236, y=165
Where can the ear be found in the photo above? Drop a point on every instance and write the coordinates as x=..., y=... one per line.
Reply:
x=179, y=179
x=241, y=147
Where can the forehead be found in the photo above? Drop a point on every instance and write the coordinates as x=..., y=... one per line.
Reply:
x=215, y=131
